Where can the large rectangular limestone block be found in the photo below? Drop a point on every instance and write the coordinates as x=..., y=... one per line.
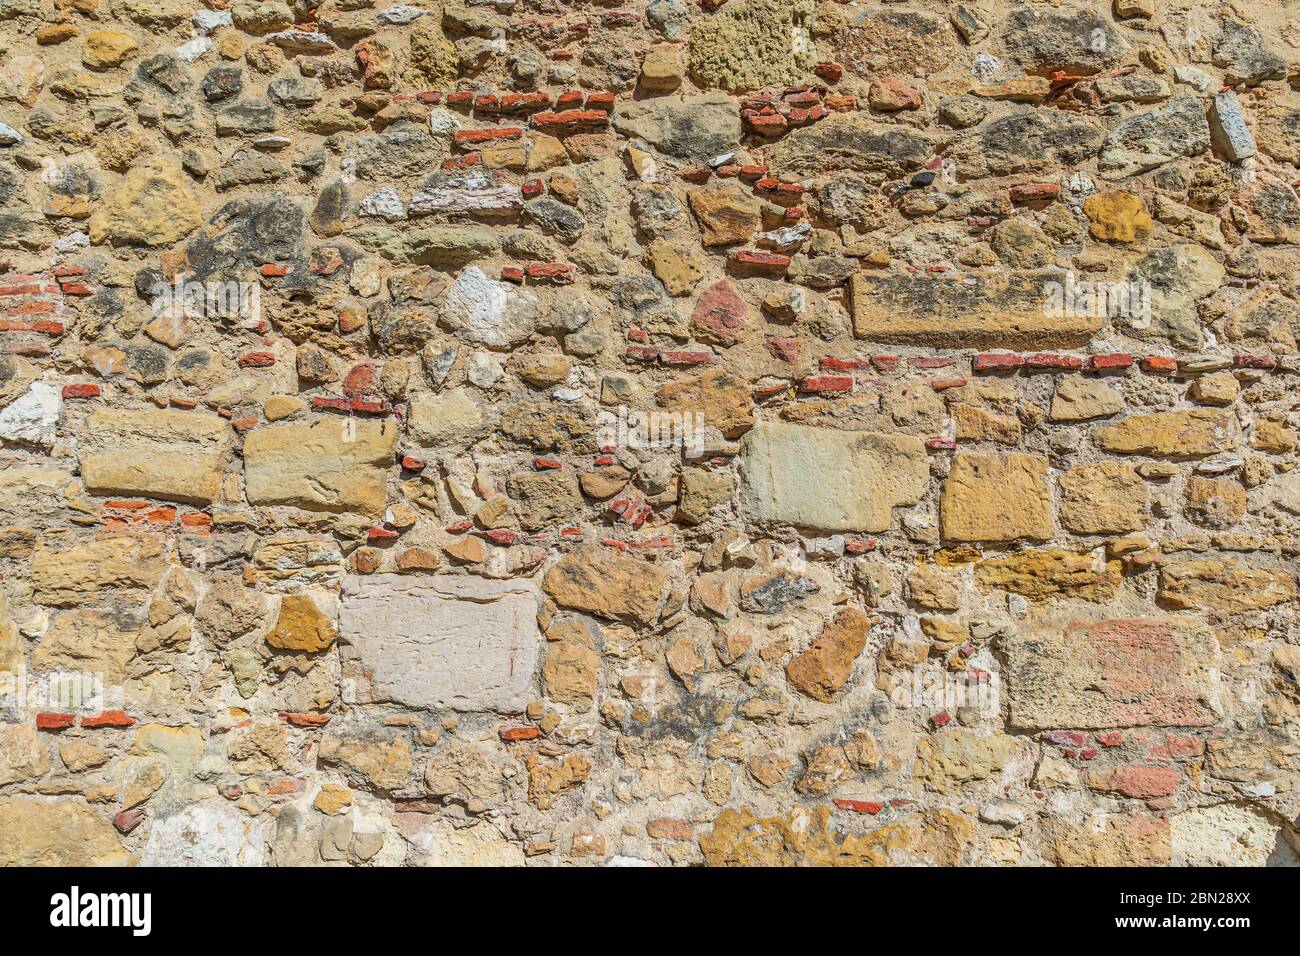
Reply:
x=442, y=641
x=1130, y=672
x=157, y=453
x=829, y=480
x=1013, y=312
x=333, y=464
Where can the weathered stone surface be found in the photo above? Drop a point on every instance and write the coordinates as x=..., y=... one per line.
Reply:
x=1077, y=399
x=22, y=754
x=327, y=465
x=446, y=420
x=623, y=369
x=725, y=213
x=598, y=582
x=1107, y=498
x=95, y=570
x=827, y=664
x=1190, y=434
x=212, y=833
x=1049, y=573
x=152, y=206
x=479, y=309
x=442, y=641
x=1007, y=312
x=753, y=43
x=38, y=831
x=1227, y=586
x=175, y=455
x=1150, y=140
x=851, y=141
x=828, y=479
x=89, y=642
x=996, y=498
x=688, y=127
x=1139, y=840
x=952, y=759
x=1227, y=834
x=1113, y=673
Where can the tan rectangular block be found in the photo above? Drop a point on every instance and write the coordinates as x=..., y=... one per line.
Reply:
x=1131, y=672
x=157, y=453
x=1002, y=311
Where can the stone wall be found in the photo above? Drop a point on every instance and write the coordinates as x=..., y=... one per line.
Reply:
x=761, y=431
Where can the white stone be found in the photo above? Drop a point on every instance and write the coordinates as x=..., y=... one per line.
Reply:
x=33, y=417
x=191, y=51
x=491, y=313
x=209, y=20
x=443, y=122
x=383, y=203
x=442, y=641
x=483, y=370
x=400, y=15
x=1228, y=835
x=9, y=136
x=211, y=833
x=1197, y=79
x=302, y=41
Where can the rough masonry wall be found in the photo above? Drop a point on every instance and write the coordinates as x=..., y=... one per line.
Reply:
x=761, y=431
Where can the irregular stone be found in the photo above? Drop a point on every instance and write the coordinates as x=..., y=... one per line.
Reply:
x=687, y=127
x=488, y=312
x=597, y=582
x=719, y=395
x=1105, y=498
x=948, y=760
x=153, y=205
x=1078, y=399
x=726, y=214
x=1050, y=573
x=96, y=569
x=22, y=754
x=829, y=479
x=1186, y=434
x=446, y=420
x=825, y=667
x=1075, y=39
x=1227, y=586
x=442, y=641
x=1150, y=140
x=853, y=142
x=213, y=833
x=1117, y=217
x=301, y=626
x=753, y=43
x=1138, y=840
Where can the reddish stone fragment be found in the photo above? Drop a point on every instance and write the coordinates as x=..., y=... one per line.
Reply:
x=720, y=314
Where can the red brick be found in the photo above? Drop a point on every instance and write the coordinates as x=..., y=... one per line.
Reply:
x=52, y=721
x=107, y=719
x=516, y=734
x=996, y=361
